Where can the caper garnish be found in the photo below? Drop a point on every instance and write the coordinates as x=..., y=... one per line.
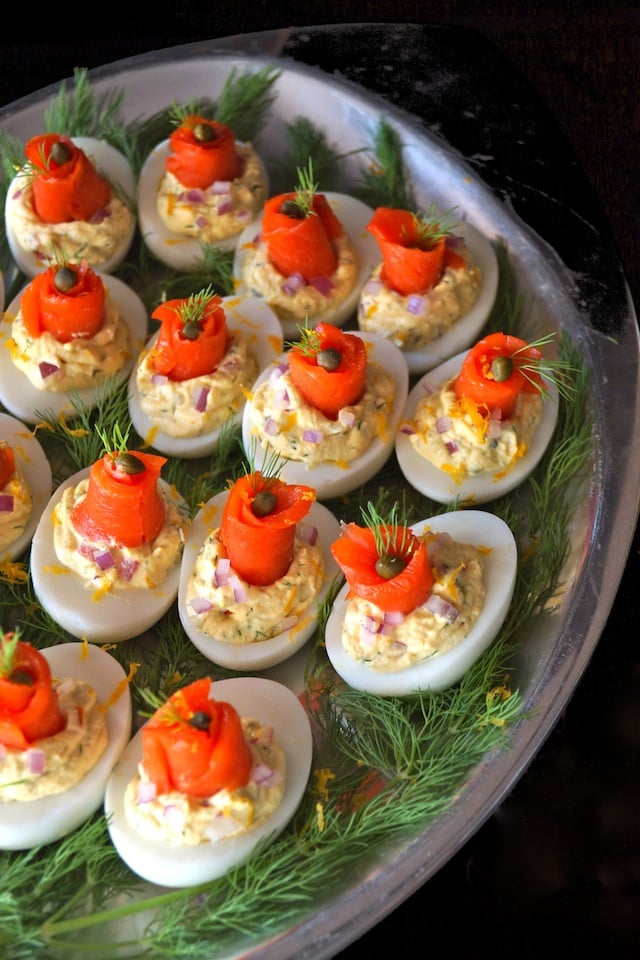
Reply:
x=60, y=153
x=330, y=358
x=65, y=279
x=501, y=368
x=204, y=133
x=291, y=209
x=389, y=566
x=191, y=330
x=22, y=677
x=264, y=503
x=130, y=464
x=200, y=720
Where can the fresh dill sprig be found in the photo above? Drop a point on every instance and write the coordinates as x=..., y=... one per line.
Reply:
x=386, y=530
x=307, y=140
x=434, y=225
x=305, y=190
x=558, y=371
x=214, y=269
x=78, y=111
x=245, y=101
x=385, y=182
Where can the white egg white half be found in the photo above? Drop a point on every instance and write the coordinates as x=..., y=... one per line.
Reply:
x=36, y=471
x=34, y=822
x=173, y=249
x=260, y=326
x=442, y=670
x=25, y=401
x=354, y=215
x=172, y=865
x=2, y=291
x=331, y=479
x=260, y=654
x=483, y=487
x=466, y=330
x=119, y=613
x=114, y=167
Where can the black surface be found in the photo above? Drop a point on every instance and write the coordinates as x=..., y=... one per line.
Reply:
x=557, y=867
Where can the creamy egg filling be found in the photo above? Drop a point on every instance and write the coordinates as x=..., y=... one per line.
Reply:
x=16, y=504
x=180, y=819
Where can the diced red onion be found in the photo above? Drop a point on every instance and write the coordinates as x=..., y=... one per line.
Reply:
x=370, y=624
x=221, y=572
x=6, y=503
x=103, y=559
x=324, y=285
x=307, y=532
x=74, y=719
x=100, y=216
x=159, y=379
x=200, y=605
x=174, y=816
x=286, y=624
x=347, y=418
x=225, y=206
x=270, y=427
x=239, y=591
x=367, y=637
x=407, y=430
x=394, y=617
x=281, y=398
x=416, y=304
x=46, y=369
x=443, y=424
x=441, y=608
x=292, y=284
x=221, y=827
x=146, y=791
x=243, y=215
x=277, y=372
x=265, y=734
x=200, y=399
x=454, y=240
x=192, y=196
x=201, y=222
x=428, y=387
x=452, y=446
x=36, y=761
x=219, y=187
x=262, y=773
x=128, y=567
x=312, y=436
x=373, y=287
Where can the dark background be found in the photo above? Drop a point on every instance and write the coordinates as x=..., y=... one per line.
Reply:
x=557, y=866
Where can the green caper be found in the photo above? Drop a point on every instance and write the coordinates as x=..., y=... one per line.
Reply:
x=330, y=358
x=130, y=464
x=291, y=209
x=60, y=153
x=65, y=279
x=264, y=503
x=501, y=368
x=389, y=566
x=21, y=677
x=204, y=133
x=200, y=720
x=191, y=330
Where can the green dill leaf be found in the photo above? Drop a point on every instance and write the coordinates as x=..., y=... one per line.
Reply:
x=245, y=101
x=385, y=182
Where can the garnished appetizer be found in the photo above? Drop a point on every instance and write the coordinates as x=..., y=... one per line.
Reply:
x=71, y=200
x=25, y=486
x=69, y=331
x=434, y=288
x=65, y=716
x=106, y=554
x=192, y=377
x=329, y=407
x=201, y=187
x=475, y=427
x=217, y=768
x=421, y=602
x=307, y=255
x=255, y=567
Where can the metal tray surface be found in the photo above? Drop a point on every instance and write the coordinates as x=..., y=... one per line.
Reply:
x=553, y=661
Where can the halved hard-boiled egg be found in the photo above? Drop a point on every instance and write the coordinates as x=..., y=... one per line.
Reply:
x=33, y=465
x=333, y=478
x=258, y=325
x=496, y=545
x=29, y=823
x=354, y=216
x=319, y=526
x=22, y=398
x=85, y=608
x=174, y=865
x=80, y=235
x=464, y=331
x=446, y=487
x=180, y=250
